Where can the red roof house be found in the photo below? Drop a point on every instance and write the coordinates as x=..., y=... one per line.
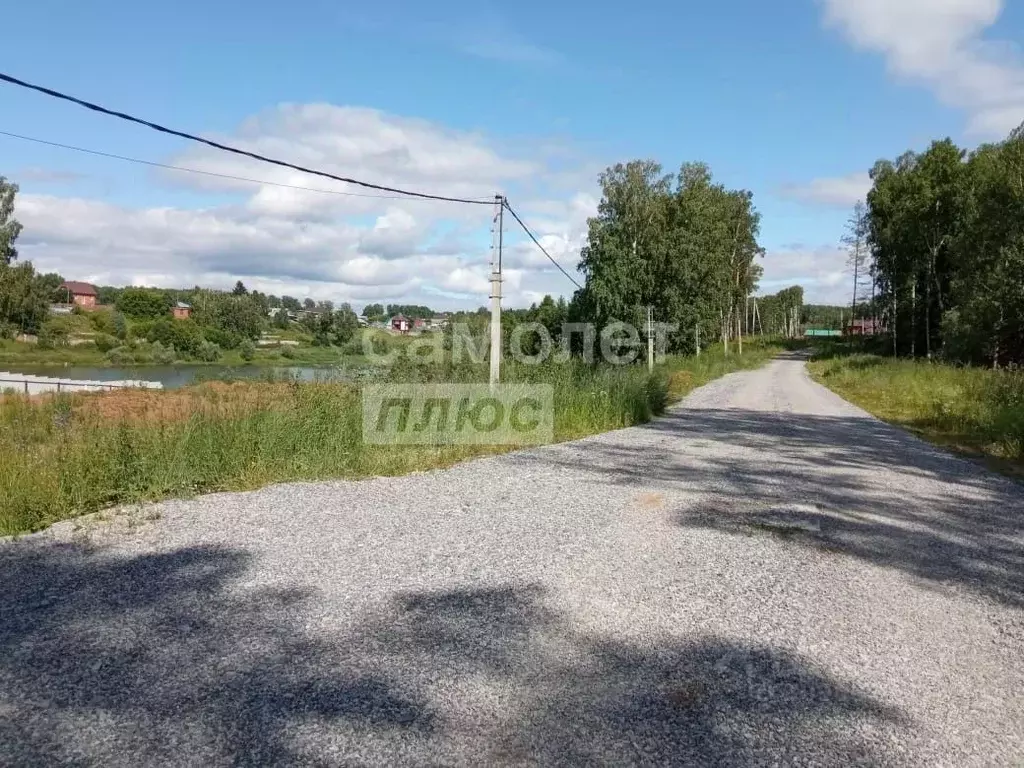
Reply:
x=82, y=294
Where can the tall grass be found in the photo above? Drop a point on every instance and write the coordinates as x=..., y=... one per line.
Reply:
x=68, y=454
x=973, y=409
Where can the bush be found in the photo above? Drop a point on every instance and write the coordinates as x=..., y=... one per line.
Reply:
x=120, y=325
x=144, y=302
x=142, y=356
x=184, y=335
x=248, y=350
x=208, y=352
x=8, y=330
x=288, y=353
x=222, y=338
x=353, y=346
x=139, y=329
x=104, y=342
x=162, y=355
x=103, y=322
x=120, y=356
x=52, y=336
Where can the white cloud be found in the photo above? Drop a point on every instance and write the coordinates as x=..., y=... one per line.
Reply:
x=361, y=143
x=941, y=43
x=45, y=175
x=561, y=227
x=339, y=247
x=821, y=271
x=841, y=191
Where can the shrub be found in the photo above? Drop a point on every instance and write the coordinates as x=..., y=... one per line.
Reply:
x=162, y=355
x=184, y=335
x=208, y=352
x=120, y=356
x=288, y=353
x=139, y=329
x=353, y=346
x=104, y=342
x=103, y=322
x=248, y=350
x=8, y=330
x=222, y=338
x=144, y=302
x=142, y=356
x=52, y=335
x=120, y=325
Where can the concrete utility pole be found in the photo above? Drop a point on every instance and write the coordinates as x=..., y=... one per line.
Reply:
x=650, y=338
x=497, y=236
x=696, y=336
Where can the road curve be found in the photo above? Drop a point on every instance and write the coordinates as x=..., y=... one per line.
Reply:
x=766, y=576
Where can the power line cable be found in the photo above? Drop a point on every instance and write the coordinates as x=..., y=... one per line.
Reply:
x=196, y=170
x=536, y=242
x=234, y=150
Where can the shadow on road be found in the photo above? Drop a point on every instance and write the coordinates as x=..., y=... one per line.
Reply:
x=851, y=485
x=175, y=659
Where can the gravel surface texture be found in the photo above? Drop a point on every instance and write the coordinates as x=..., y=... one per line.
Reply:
x=766, y=576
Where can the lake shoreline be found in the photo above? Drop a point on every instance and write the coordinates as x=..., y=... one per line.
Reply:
x=177, y=376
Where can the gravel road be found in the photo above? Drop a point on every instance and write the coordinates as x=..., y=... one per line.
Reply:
x=766, y=576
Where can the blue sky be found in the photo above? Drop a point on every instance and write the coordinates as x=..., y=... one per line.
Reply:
x=794, y=102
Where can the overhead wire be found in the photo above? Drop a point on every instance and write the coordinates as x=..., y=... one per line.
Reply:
x=215, y=174
x=536, y=242
x=235, y=150
x=404, y=193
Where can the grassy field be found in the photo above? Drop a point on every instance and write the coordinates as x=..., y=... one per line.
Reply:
x=972, y=410
x=63, y=456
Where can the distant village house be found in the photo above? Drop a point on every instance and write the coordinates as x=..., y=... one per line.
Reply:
x=83, y=295
x=182, y=311
x=400, y=323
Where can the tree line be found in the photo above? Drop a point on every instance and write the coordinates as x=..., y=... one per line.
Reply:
x=684, y=245
x=945, y=228
x=219, y=320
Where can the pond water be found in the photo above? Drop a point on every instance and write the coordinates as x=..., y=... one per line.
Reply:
x=175, y=376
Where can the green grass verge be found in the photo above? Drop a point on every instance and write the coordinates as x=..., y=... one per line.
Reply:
x=975, y=411
x=16, y=353
x=63, y=456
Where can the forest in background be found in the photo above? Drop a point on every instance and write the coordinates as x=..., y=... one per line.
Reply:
x=944, y=230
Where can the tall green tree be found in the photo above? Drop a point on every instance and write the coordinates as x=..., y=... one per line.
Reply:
x=687, y=249
x=24, y=298
x=627, y=241
x=144, y=303
x=9, y=226
x=946, y=231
